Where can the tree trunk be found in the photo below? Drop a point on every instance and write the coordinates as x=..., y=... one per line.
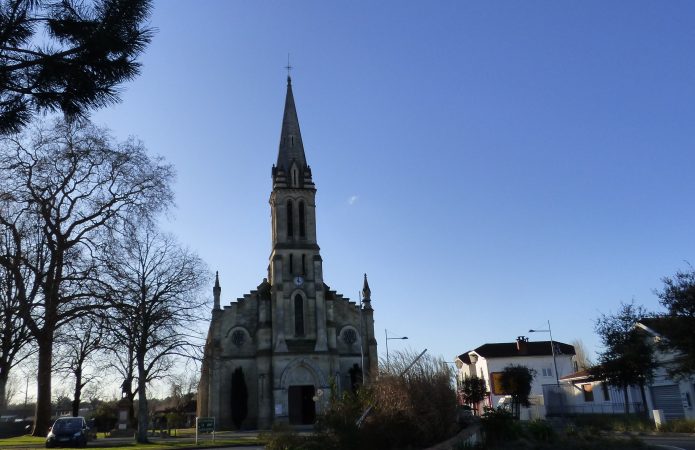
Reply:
x=142, y=402
x=78, y=393
x=644, y=401
x=627, y=405
x=42, y=419
x=131, y=401
x=4, y=375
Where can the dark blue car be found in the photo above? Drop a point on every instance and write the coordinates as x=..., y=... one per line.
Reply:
x=68, y=431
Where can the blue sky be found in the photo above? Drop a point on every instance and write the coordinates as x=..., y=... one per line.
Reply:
x=490, y=165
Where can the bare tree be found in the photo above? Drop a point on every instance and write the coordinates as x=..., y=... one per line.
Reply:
x=581, y=355
x=14, y=336
x=12, y=389
x=78, y=343
x=66, y=186
x=155, y=286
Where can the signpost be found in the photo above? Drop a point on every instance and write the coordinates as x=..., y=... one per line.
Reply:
x=204, y=425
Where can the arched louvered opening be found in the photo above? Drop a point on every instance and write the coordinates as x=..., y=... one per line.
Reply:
x=298, y=315
x=302, y=220
x=290, y=221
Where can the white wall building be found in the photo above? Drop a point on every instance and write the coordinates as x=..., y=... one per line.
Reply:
x=582, y=394
x=490, y=359
x=674, y=396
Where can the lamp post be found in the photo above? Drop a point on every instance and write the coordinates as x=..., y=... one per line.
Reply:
x=388, y=366
x=552, y=349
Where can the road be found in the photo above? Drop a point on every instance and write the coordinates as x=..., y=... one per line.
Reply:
x=686, y=442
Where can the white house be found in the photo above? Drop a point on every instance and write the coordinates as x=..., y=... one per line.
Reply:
x=674, y=396
x=489, y=360
x=583, y=394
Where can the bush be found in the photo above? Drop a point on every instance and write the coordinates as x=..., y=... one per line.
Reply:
x=415, y=410
x=679, y=426
x=541, y=431
x=282, y=437
x=499, y=425
x=613, y=422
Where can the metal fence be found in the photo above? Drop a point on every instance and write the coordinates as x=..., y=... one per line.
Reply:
x=564, y=400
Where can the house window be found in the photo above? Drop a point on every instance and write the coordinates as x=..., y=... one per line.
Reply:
x=289, y=219
x=606, y=396
x=588, y=390
x=547, y=372
x=298, y=315
x=302, y=221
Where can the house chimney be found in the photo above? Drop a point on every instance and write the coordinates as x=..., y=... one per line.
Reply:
x=522, y=345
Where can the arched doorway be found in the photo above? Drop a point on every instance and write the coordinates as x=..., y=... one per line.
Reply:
x=301, y=404
x=301, y=379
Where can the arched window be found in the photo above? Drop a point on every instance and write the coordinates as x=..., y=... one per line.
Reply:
x=290, y=230
x=298, y=315
x=302, y=220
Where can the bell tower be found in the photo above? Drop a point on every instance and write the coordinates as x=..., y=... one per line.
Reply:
x=293, y=337
x=295, y=266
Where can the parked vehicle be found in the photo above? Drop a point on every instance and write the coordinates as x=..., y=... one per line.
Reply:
x=68, y=431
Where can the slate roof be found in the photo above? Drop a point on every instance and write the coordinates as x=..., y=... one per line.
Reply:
x=580, y=375
x=290, y=149
x=509, y=349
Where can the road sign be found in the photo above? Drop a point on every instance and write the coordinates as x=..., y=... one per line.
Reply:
x=206, y=424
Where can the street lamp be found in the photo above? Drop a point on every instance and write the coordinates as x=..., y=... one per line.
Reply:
x=552, y=349
x=387, y=346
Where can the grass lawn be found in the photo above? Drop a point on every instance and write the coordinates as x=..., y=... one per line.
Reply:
x=30, y=442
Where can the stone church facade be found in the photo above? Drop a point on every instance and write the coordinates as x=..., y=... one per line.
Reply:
x=293, y=337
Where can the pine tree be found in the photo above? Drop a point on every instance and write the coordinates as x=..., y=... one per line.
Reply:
x=66, y=55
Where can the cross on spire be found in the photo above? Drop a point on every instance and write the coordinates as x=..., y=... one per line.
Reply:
x=288, y=67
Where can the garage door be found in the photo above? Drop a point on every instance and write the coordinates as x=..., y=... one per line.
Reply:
x=668, y=399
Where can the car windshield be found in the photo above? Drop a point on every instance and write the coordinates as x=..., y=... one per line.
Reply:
x=67, y=425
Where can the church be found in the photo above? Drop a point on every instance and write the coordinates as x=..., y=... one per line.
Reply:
x=274, y=355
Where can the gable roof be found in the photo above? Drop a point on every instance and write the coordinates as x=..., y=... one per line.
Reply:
x=581, y=375
x=509, y=349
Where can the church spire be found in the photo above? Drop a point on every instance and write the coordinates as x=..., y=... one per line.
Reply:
x=366, y=294
x=291, y=145
x=216, y=291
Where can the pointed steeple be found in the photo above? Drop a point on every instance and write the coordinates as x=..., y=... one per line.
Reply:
x=216, y=291
x=366, y=294
x=291, y=145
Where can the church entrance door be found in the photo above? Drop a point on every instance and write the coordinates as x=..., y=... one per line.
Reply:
x=302, y=408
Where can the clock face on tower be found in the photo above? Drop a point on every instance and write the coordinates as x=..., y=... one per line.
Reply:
x=298, y=281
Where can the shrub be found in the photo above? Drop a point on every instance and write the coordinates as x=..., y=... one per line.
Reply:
x=541, y=431
x=282, y=437
x=613, y=422
x=414, y=410
x=499, y=425
x=679, y=426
